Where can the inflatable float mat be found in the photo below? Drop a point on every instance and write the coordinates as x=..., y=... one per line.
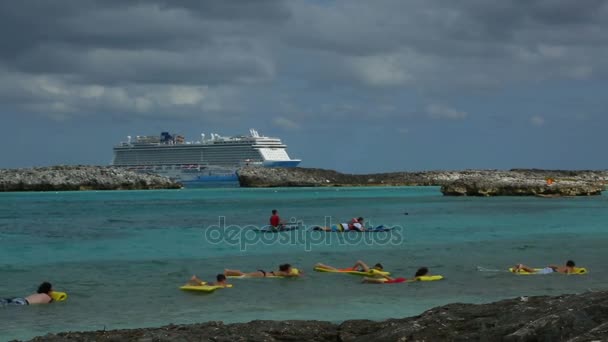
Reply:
x=203, y=287
x=294, y=271
x=353, y=272
x=403, y=280
x=367, y=230
x=428, y=278
x=59, y=296
x=577, y=271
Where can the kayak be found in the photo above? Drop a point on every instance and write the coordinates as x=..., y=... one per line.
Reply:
x=372, y=272
x=271, y=229
x=537, y=271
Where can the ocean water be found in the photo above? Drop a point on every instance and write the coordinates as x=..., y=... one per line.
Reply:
x=121, y=256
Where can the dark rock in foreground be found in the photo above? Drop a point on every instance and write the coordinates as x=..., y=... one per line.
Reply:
x=62, y=178
x=517, y=182
x=573, y=318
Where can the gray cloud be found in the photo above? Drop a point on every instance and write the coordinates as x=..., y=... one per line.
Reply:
x=186, y=57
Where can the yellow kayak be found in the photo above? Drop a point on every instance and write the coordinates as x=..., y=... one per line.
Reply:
x=577, y=271
x=372, y=272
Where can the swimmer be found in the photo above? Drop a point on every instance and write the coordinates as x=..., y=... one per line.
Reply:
x=359, y=266
x=285, y=270
x=569, y=268
x=42, y=296
x=220, y=280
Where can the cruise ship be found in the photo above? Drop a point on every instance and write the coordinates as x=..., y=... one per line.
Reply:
x=211, y=159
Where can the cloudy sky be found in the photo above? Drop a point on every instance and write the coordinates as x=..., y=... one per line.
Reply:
x=352, y=85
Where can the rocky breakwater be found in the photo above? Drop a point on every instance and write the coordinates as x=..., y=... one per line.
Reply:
x=279, y=177
x=575, y=318
x=528, y=183
x=516, y=182
x=62, y=178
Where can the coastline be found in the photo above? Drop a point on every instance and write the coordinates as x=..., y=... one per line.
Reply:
x=80, y=178
x=574, y=317
x=515, y=182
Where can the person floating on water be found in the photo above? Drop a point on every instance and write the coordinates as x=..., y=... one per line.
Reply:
x=384, y=279
x=42, y=296
x=359, y=266
x=220, y=280
x=285, y=270
x=355, y=225
x=569, y=268
x=275, y=220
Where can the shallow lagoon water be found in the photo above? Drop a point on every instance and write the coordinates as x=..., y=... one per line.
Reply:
x=122, y=255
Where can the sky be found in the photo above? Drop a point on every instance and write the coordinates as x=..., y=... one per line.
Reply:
x=353, y=85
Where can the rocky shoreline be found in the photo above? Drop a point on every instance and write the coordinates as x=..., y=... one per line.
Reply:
x=72, y=178
x=582, y=317
x=516, y=182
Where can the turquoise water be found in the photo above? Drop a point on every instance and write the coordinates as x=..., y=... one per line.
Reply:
x=122, y=255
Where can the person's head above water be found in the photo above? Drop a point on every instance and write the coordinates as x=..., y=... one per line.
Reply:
x=570, y=263
x=360, y=219
x=274, y=211
x=285, y=268
x=378, y=266
x=422, y=271
x=220, y=278
x=45, y=287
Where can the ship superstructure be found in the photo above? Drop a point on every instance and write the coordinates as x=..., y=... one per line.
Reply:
x=213, y=158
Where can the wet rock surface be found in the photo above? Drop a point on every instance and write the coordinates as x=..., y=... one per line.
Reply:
x=63, y=178
x=516, y=182
x=582, y=317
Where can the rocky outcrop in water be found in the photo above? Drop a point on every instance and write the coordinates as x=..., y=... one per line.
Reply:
x=61, y=178
x=522, y=184
x=468, y=182
x=573, y=318
x=278, y=177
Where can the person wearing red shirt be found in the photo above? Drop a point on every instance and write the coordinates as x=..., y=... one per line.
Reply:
x=275, y=220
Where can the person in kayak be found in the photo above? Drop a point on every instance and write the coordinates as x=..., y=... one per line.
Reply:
x=220, y=280
x=569, y=268
x=42, y=296
x=275, y=220
x=285, y=270
x=359, y=266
